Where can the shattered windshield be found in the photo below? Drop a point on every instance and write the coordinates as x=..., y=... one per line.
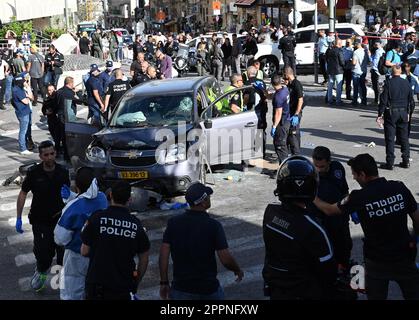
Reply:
x=165, y=110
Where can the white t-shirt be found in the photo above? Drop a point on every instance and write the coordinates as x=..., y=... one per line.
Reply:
x=3, y=66
x=416, y=14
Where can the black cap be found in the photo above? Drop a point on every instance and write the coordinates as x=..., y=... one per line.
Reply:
x=197, y=193
x=109, y=64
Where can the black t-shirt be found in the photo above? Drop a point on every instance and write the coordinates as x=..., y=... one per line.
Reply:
x=46, y=189
x=136, y=67
x=193, y=238
x=84, y=45
x=333, y=188
x=383, y=207
x=116, y=90
x=296, y=92
x=115, y=237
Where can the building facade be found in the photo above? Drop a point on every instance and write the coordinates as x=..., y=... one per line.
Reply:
x=43, y=13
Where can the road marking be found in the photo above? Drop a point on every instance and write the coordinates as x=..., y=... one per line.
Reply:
x=12, y=206
x=235, y=246
x=9, y=193
x=27, y=236
x=226, y=221
x=226, y=279
x=12, y=221
x=25, y=259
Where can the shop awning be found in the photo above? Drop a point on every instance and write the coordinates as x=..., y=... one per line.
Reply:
x=244, y=3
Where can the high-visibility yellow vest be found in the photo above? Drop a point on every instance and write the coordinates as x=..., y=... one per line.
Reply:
x=226, y=101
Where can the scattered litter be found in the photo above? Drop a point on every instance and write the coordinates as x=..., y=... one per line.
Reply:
x=229, y=178
x=371, y=145
x=357, y=145
x=330, y=126
x=309, y=145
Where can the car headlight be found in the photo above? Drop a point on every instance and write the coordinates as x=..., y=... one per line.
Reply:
x=176, y=152
x=96, y=154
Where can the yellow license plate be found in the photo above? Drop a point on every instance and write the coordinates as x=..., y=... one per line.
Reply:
x=133, y=175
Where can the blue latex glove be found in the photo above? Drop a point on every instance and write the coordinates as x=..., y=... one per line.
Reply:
x=273, y=131
x=65, y=192
x=19, y=225
x=355, y=218
x=295, y=121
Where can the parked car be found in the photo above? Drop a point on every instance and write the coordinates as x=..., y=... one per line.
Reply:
x=270, y=56
x=132, y=145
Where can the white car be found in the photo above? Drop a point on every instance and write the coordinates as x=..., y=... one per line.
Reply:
x=270, y=56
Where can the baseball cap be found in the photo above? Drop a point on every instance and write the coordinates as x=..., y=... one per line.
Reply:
x=109, y=64
x=94, y=67
x=197, y=193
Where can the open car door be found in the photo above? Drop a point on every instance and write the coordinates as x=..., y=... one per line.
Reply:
x=234, y=137
x=78, y=132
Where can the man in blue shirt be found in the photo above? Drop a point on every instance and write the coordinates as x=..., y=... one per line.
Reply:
x=393, y=58
x=21, y=103
x=94, y=95
x=192, y=239
x=280, y=118
x=375, y=74
x=106, y=76
x=323, y=45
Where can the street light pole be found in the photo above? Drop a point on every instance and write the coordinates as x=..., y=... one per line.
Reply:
x=294, y=11
x=66, y=14
x=332, y=15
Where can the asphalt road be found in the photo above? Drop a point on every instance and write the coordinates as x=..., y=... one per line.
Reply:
x=239, y=203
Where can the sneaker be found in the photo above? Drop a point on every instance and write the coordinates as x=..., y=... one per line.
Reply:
x=26, y=153
x=38, y=281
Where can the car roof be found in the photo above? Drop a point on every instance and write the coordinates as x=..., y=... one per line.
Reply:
x=169, y=85
x=356, y=27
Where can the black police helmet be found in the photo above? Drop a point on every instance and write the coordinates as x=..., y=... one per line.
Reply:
x=297, y=180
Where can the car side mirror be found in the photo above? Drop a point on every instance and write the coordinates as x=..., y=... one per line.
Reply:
x=208, y=124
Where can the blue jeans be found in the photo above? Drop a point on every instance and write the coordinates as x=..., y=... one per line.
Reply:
x=51, y=77
x=8, y=92
x=94, y=113
x=25, y=131
x=338, y=80
x=359, y=88
x=180, y=295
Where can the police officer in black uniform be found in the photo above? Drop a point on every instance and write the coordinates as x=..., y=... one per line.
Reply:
x=111, y=239
x=396, y=104
x=296, y=110
x=45, y=181
x=333, y=188
x=382, y=207
x=299, y=261
x=287, y=46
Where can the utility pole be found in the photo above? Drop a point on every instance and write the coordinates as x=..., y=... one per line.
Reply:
x=332, y=14
x=66, y=15
x=316, y=53
x=294, y=10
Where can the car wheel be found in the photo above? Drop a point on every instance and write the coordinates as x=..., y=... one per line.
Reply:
x=269, y=67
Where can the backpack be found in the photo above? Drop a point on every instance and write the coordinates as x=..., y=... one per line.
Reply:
x=382, y=68
x=287, y=44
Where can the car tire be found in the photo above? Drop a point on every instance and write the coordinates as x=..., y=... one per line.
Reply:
x=269, y=66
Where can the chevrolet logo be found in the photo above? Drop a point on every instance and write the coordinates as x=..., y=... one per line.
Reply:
x=133, y=154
